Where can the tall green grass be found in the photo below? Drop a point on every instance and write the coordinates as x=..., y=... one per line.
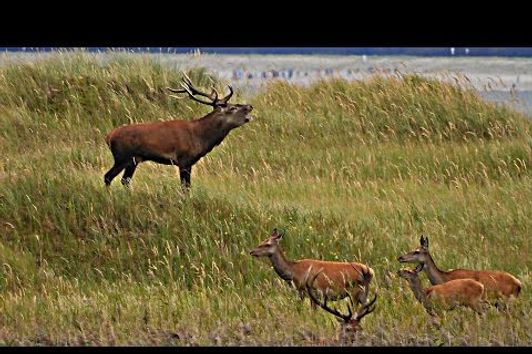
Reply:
x=351, y=170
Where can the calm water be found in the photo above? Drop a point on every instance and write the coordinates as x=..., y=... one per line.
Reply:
x=521, y=100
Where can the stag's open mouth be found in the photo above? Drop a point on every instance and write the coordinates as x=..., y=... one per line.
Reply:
x=248, y=118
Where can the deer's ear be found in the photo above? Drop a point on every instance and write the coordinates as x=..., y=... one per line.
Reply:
x=424, y=242
x=276, y=234
x=419, y=267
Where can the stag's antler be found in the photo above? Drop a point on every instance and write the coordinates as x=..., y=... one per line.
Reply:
x=323, y=305
x=226, y=98
x=188, y=87
x=366, y=309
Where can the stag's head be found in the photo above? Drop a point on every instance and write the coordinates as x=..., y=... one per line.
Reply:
x=419, y=254
x=230, y=115
x=269, y=246
x=350, y=322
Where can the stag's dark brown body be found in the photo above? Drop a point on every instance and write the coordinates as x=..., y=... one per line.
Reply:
x=179, y=142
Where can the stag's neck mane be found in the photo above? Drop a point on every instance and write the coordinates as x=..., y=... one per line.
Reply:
x=210, y=130
x=281, y=265
x=208, y=116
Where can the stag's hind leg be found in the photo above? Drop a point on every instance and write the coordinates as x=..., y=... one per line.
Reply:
x=114, y=171
x=128, y=172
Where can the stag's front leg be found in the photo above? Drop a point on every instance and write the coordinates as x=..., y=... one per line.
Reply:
x=184, y=174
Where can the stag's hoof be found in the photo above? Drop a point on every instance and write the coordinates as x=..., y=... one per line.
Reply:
x=125, y=181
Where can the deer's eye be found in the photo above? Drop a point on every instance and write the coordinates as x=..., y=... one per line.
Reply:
x=416, y=252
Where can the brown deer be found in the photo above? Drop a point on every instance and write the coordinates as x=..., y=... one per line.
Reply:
x=445, y=296
x=178, y=142
x=336, y=280
x=497, y=284
x=350, y=323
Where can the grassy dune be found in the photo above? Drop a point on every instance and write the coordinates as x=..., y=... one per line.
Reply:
x=351, y=171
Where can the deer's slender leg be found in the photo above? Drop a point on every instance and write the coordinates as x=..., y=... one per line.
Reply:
x=477, y=307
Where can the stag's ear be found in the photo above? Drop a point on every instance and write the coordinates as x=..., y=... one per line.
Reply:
x=424, y=242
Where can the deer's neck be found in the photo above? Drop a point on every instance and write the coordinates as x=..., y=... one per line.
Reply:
x=415, y=285
x=436, y=276
x=281, y=265
x=210, y=131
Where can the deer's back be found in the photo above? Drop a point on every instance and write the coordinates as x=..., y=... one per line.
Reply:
x=159, y=138
x=496, y=283
x=335, y=276
x=458, y=291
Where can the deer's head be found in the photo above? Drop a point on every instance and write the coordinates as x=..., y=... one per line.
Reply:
x=230, y=115
x=419, y=254
x=269, y=246
x=410, y=274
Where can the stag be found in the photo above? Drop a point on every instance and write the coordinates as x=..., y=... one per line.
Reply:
x=178, y=142
x=350, y=322
x=497, y=284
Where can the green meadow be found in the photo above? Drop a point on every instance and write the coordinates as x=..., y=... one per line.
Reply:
x=352, y=171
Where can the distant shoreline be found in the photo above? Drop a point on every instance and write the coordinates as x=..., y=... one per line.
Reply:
x=341, y=51
x=497, y=79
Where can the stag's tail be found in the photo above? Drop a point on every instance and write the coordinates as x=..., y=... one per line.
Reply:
x=108, y=139
x=518, y=290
